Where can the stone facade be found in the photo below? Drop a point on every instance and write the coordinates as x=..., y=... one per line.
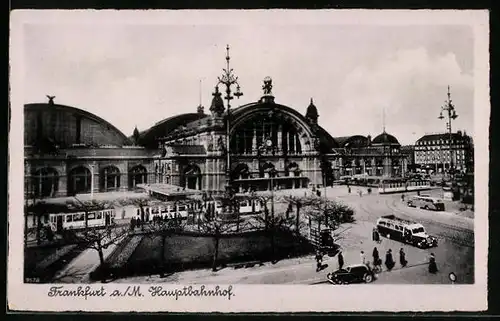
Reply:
x=69, y=151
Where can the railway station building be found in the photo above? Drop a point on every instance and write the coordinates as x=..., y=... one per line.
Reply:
x=69, y=151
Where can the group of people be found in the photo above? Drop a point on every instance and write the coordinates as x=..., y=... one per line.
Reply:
x=377, y=261
x=389, y=261
x=135, y=222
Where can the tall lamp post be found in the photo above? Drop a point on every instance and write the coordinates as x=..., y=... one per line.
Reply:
x=228, y=79
x=268, y=144
x=449, y=110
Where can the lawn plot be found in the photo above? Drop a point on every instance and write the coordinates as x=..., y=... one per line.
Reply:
x=190, y=251
x=41, y=263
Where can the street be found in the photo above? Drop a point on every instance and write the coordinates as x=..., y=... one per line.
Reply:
x=455, y=252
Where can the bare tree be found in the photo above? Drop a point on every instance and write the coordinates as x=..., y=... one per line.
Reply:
x=273, y=225
x=163, y=227
x=299, y=203
x=216, y=227
x=97, y=238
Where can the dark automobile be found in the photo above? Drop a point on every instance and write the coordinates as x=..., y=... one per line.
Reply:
x=352, y=274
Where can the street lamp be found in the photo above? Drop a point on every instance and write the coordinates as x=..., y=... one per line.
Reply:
x=449, y=109
x=228, y=79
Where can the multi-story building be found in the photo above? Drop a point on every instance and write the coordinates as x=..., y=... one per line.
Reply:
x=432, y=152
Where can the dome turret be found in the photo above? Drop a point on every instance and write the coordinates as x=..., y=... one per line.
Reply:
x=312, y=113
x=385, y=139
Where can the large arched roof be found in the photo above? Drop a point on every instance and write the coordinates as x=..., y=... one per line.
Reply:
x=148, y=138
x=66, y=125
x=327, y=142
x=242, y=112
x=354, y=141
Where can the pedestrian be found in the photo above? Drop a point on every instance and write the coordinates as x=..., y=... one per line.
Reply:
x=319, y=260
x=362, y=257
x=402, y=258
x=376, y=257
x=389, y=261
x=402, y=197
x=341, y=260
x=432, y=264
x=376, y=236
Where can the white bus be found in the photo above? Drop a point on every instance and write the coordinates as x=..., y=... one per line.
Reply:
x=426, y=202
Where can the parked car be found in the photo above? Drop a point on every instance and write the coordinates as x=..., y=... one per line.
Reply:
x=352, y=274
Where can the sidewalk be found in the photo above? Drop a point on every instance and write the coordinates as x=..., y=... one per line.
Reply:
x=300, y=270
x=78, y=270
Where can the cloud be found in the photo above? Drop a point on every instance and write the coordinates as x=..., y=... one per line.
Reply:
x=410, y=85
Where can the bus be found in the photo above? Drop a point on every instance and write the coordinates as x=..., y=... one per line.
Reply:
x=426, y=202
x=405, y=231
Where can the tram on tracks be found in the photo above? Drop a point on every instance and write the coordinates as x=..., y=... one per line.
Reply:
x=396, y=185
x=75, y=219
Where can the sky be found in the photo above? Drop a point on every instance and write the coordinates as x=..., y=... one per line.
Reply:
x=138, y=74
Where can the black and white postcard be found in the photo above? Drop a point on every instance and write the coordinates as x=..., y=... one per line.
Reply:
x=248, y=161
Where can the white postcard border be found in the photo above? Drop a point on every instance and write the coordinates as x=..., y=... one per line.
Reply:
x=258, y=298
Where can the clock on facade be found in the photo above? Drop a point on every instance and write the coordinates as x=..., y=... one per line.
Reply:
x=269, y=143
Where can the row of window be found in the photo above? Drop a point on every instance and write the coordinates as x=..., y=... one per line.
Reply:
x=439, y=142
x=79, y=217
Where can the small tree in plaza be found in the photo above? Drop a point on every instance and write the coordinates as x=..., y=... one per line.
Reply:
x=216, y=227
x=300, y=203
x=272, y=225
x=163, y=227
x=330, y=214
x=97, y=238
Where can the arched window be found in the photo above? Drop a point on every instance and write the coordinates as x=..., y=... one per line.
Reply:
x=137, y=175
x=109, y=179
x=80, y=180
x=192, y=177
x=45, y=182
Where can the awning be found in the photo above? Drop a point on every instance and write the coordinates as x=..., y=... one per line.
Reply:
x=169, y=190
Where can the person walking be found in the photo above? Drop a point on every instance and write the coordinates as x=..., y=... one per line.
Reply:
x=341, y=260
x=375, y=236
x=432, y=264
x=319, y=260
x=376, y=257
x=402, y=197
x=389, y=261
x=402, y=258
x=362, y=257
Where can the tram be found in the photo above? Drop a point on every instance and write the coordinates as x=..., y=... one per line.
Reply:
x=250, y=207
x=395, y=185
x=169, y=211
x=75, y=219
